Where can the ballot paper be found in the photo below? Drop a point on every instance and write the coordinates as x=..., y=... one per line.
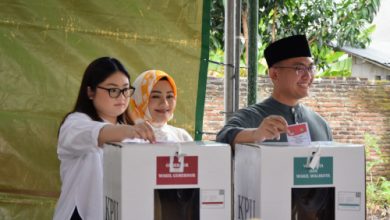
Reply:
x=298, y=134
x=135, y=140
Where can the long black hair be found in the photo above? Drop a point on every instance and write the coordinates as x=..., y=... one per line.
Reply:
x=96, y=72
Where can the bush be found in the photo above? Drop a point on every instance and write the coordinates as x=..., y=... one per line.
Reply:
x=378, y=188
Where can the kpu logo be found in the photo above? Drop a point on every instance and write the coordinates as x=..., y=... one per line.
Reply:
x=246, y=207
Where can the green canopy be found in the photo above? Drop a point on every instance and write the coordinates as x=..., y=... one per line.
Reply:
x=45, y=47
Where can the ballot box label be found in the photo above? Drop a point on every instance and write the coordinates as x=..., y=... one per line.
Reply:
x=112, y=209
x=166, y=176
x=213, y=198
x=304, y=175
x=349, y=201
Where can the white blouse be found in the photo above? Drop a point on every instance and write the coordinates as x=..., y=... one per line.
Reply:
x=81, y=168
x=168, y=133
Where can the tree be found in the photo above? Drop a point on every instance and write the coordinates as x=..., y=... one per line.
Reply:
x=327, y=24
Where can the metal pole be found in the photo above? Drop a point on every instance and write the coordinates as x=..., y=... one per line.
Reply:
x=229, y=59
x=253, y=8
x=237, y=53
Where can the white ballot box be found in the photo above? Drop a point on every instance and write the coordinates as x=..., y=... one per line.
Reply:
x=167, y=181
x=322, y=181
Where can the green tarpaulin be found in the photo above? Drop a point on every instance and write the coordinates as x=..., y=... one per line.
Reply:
x=45, y=47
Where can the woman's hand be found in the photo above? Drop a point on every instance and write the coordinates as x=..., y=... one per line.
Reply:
x=143, y=131
x=117, y=133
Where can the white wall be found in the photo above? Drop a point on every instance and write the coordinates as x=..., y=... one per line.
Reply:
x=365, y=69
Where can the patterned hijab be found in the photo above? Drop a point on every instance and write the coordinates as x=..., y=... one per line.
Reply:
x=139, y=101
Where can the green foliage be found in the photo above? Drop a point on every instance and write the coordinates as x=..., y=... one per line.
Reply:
x=216, y=24
x=327, y=24
x=216, y=55
x=377, y=190
x=339, y=63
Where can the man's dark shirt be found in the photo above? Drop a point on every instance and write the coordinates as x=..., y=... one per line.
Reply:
x=252, y=116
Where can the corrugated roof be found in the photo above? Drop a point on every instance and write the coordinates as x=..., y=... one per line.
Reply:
x=378, y=53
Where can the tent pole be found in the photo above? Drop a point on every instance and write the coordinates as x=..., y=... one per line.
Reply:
x=237, y=53
x=253, y=22
x=229, y=59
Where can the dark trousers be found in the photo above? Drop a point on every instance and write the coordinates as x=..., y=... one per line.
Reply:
x=75, y=215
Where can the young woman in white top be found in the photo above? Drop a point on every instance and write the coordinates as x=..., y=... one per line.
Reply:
x=154, y=100
x=98, y=117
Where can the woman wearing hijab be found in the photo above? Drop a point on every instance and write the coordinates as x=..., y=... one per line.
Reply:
x=154, y=100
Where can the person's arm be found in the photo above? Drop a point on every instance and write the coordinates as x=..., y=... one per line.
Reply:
x=252, y=124
x=241, y=120
x=246, y=135
x=79, y=134
x=115, y=133
x=270, y=128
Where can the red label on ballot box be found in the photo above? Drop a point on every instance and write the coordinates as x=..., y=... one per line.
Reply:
x=177, y=172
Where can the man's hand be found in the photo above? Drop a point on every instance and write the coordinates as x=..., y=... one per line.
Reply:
x=270, y=128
